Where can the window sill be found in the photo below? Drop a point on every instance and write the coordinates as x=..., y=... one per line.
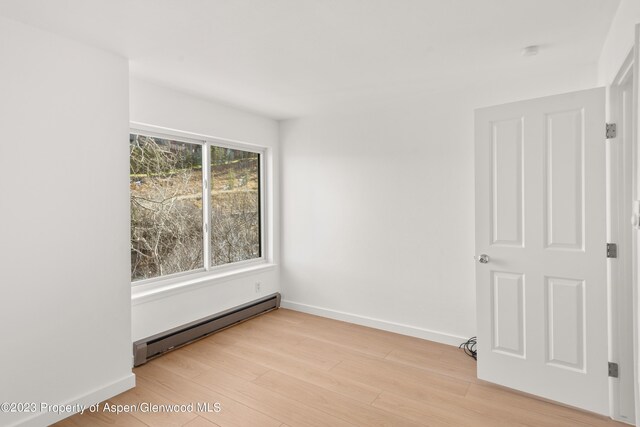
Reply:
x=141, y=294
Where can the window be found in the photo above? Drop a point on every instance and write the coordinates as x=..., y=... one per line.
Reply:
x=195, y=205
x=235, y=205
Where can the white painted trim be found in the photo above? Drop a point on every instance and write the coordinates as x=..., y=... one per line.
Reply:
x=142, y=294
x=619, y=230
x=636, y=196
x=398, y=328
x=206, y=207
x=91, y=398
x=161, y=131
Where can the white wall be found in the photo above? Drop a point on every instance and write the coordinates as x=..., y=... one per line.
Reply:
x=164, y=107
x=619, y=41
x=378, y=207
x=64, y=238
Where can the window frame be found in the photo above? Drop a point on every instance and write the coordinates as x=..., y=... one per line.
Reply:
x=209, y=271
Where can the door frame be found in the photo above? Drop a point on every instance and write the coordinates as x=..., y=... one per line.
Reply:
x=636, y=212
x=620, y=167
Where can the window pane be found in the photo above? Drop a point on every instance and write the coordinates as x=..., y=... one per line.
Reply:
x=235, y=205
x=165, y=178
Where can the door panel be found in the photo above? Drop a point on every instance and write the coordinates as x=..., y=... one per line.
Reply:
x=564, y=180
x=565, y=323
x=540, y=217
x=508, y=313
x=506, y=169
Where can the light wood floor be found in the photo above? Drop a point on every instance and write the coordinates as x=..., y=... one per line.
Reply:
x=292, y=369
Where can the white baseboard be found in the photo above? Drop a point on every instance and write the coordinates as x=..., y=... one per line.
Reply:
x=92, y=398
x=398, y=328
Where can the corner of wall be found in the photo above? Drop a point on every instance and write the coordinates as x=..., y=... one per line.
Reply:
x=619, y=41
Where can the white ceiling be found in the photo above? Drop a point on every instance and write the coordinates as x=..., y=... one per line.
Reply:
x=288, y=58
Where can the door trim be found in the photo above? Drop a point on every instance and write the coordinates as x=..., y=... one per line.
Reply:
x=619, y=270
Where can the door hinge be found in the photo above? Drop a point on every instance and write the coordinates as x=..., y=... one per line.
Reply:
x=611, y=131
x=612, y=250
x=613, y=370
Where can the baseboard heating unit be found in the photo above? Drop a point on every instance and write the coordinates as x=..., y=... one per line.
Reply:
x=154, y=346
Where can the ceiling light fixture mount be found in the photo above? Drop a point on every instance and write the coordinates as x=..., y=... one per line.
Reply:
x=530, y=50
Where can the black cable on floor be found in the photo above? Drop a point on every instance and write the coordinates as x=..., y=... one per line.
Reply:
x=470, y=347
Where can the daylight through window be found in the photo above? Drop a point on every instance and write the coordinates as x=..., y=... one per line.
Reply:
x=235, y=205
x=171, y=230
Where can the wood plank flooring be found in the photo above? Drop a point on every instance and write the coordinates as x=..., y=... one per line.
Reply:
x=289, y=369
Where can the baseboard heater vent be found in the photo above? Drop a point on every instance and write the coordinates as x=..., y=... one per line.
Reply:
x=154, y=346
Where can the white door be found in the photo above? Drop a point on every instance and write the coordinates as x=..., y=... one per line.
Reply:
x=541, y=222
